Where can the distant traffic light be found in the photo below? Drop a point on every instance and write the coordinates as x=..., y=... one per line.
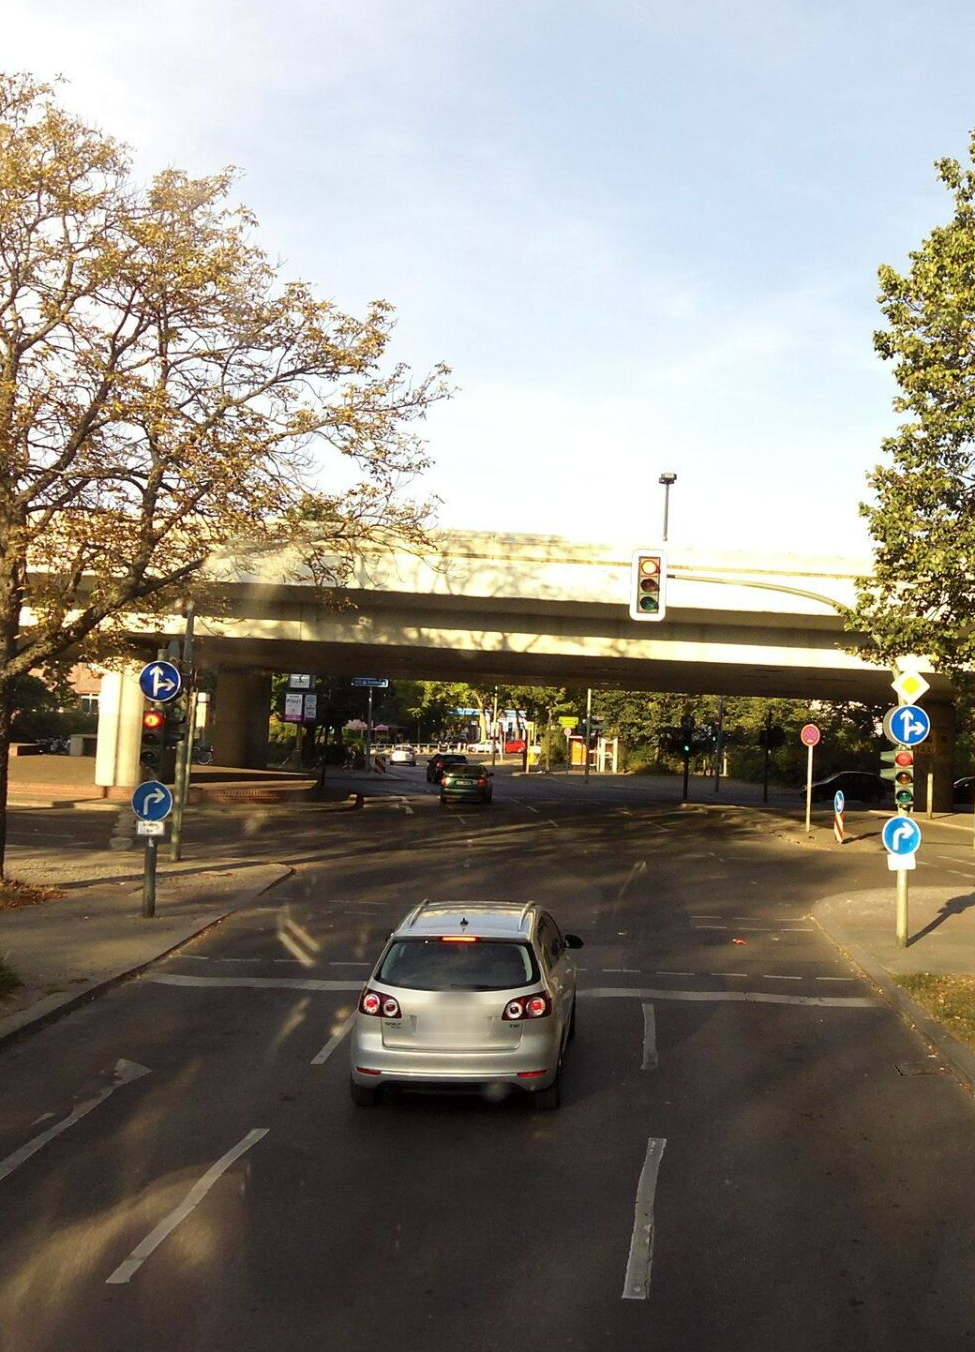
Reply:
x=648, y=584
x=153, y=738
x=901, y=762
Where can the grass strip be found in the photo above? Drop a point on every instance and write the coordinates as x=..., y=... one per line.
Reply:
x=949, y=999
x=9, y=980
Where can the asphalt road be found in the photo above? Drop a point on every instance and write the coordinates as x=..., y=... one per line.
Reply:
x=752, y=1153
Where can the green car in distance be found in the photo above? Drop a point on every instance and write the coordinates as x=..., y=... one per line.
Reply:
x=466, y=784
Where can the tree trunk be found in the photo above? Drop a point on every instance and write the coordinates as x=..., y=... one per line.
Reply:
x=6, y=702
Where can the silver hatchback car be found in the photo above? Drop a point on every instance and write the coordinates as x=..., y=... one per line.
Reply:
x=468, y=995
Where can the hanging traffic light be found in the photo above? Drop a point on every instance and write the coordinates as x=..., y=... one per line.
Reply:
x=648, y=581
x=153, y=738
x=901, y=762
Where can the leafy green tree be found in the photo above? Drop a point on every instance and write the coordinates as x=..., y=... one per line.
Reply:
x=165, y=397
x=922, y=595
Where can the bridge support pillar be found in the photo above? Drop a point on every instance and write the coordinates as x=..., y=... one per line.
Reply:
x=242, y=706
x=936, y=756
x=120, y=705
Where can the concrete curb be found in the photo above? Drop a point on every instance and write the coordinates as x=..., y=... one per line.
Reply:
x=960, y=1058
x=49, y=1010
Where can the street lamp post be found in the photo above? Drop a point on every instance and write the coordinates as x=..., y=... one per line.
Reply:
x=667, y=478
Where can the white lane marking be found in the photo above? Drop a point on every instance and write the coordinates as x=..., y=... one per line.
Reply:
x=704, y=917
x=238, y=959
x=753, y=929
x=834, y=978
x=350, y=964
x=634, y=871
x=797, y=929
x=190, y=1202
x=532, y=809
x=661, y=972
x=631, y=970
x=734, y=974
x=321, y=1057
x=636, y=1283
x=285, y=983
x=709, y=926
x=292, y=962
x=406, y=807
x=125, y=1073
x=193, y=957
x=649, y=1038
x=731, y=997
x=553, y=823
x=775, y=976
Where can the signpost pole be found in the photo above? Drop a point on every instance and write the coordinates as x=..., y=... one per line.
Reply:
x=809, y=763
x=369, y=731
x=900, y=920
x=149, y=879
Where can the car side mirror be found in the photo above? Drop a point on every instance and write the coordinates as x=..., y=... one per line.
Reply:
x=573, y=941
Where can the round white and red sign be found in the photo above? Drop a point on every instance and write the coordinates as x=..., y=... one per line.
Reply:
x=810, y=735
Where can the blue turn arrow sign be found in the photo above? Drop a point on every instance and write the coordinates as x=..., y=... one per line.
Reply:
x=152, y=801
x=160, y=681
x=901, y=835
x=908, y=724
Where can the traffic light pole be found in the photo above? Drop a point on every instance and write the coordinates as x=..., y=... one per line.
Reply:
x=588, y=726
x=184, y=752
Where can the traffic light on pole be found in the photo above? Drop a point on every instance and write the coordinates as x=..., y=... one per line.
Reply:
x=901, y=762
x=153, y=739
x=648, y=585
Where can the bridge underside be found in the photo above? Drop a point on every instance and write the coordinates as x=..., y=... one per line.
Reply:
x=550, y=645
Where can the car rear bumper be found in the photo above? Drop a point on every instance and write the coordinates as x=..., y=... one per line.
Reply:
x=374, y=1064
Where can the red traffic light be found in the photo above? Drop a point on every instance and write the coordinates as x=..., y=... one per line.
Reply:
x=904, y=758
x=152, y=720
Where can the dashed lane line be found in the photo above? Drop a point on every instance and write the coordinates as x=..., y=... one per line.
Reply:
x=636, y=1283
x=190, y=1202
x=286, y=983
x=649, y=1038
x=321, y=1057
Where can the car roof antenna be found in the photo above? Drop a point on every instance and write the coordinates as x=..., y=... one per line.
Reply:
x=464, y=921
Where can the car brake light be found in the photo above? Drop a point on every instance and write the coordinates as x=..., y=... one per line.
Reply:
x=482, y=781
x=382, y=1006
x=458, y=938
x=528, y=1007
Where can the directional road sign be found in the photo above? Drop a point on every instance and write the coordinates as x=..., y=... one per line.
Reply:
x=901, y=835
x=377, y=682
x=152, y=801
x=160, y=681
x=839, y=801
x=907, y=725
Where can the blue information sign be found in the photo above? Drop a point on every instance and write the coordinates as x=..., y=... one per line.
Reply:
x=901, y=835
x=908, y=724
x=160, y=681
x=152, y=801
x=839, y=801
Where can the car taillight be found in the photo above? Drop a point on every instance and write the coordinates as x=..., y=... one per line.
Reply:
x=482, y=781
x=527, y=1007
x=382, y=1006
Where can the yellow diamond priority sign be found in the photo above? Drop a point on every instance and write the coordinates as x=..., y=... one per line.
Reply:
x=910, y=685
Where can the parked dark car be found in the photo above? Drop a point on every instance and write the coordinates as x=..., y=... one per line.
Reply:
x=963, y=792
x=858, y=786
x=435, y=765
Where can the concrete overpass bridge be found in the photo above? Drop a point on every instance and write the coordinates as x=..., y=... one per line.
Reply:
x=541, y=610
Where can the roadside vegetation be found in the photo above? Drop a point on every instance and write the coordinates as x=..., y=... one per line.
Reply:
x=9, y=980
x=949, y=999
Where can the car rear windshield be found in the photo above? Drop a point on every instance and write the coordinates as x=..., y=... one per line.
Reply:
x=465, y=771
x=446, y=965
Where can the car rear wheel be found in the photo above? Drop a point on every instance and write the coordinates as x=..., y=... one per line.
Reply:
x=364, y=1095
x=547, y=1100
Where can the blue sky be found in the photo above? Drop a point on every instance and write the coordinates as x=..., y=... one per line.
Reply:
x=645, y=236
